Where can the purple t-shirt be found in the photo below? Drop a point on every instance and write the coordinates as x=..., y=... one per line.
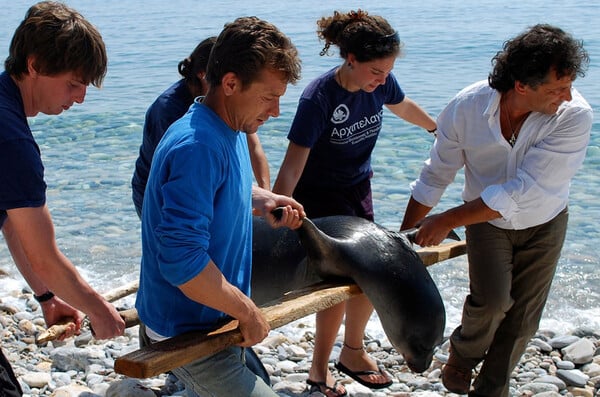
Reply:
x=341, y=128
x=22, y=176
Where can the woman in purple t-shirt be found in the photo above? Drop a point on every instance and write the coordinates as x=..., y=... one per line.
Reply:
x=327, y=166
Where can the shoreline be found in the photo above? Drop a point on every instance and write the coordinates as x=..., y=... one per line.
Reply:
x=554, y=364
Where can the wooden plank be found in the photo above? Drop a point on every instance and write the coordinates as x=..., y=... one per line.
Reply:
x=163, y=356
x=182, y=349
x=442, y=252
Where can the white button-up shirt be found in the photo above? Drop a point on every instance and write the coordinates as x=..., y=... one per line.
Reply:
x=528, y=184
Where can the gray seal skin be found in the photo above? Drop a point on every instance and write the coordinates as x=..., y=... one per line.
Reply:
x=381, y=262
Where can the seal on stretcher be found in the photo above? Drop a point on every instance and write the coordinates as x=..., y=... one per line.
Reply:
x=381, y=262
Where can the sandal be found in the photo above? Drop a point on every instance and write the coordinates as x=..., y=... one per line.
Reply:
x=328, y=391
x=356, y=375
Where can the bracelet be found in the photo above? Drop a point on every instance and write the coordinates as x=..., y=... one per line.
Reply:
x=432, y=131
x=46, y=296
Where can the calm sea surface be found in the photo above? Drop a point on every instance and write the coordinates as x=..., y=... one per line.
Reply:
x=89, y=151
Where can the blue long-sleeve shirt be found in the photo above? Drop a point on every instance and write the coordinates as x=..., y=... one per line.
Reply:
x=197, y=207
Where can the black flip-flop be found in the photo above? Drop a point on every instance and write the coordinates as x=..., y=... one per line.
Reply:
x=319, y=386
x=356, y=375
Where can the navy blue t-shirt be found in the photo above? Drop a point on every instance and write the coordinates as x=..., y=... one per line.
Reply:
x=168, y=107
x=22, y=172
x=341, y=128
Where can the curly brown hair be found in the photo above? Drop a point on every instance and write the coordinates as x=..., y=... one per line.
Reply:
x=530, y=56
x=366, y=36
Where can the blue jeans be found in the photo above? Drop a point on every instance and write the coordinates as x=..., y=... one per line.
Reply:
x=245, y=358
x=223, y=374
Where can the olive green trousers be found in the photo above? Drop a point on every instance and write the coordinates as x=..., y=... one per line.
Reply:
x=510, y=273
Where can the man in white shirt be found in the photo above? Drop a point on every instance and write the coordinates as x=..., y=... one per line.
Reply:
x=520, y=137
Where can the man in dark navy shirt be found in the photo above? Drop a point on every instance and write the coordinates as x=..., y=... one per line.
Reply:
x=54, y=55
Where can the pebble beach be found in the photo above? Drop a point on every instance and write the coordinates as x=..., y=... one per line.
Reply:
x=89, y=154
x=553, y=364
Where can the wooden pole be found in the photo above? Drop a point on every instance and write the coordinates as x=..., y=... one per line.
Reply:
x=57, y=330
x=121, y=292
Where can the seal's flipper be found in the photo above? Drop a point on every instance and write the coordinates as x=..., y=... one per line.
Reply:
x=322, y=251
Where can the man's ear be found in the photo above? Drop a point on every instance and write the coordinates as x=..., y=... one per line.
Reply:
x=230, y=83
x=31, y=70
x=520, y=87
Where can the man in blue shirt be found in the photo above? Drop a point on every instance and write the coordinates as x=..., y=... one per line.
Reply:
x=198, y=205
x=54, y=55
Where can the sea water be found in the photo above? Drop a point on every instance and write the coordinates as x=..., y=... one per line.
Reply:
x=89, y=152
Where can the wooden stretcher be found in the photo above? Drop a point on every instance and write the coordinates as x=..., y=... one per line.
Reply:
x=163, y=356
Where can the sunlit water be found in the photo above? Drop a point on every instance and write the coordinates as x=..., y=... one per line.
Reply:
x=90, y=151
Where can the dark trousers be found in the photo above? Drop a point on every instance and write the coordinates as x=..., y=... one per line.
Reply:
x=510, y=273
x=9, y=385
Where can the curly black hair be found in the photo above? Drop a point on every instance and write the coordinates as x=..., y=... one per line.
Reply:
x=529, y=58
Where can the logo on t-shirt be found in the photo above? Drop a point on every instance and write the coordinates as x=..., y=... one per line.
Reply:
x=340, y=114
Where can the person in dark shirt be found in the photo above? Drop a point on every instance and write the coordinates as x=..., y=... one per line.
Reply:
x=54, y=55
